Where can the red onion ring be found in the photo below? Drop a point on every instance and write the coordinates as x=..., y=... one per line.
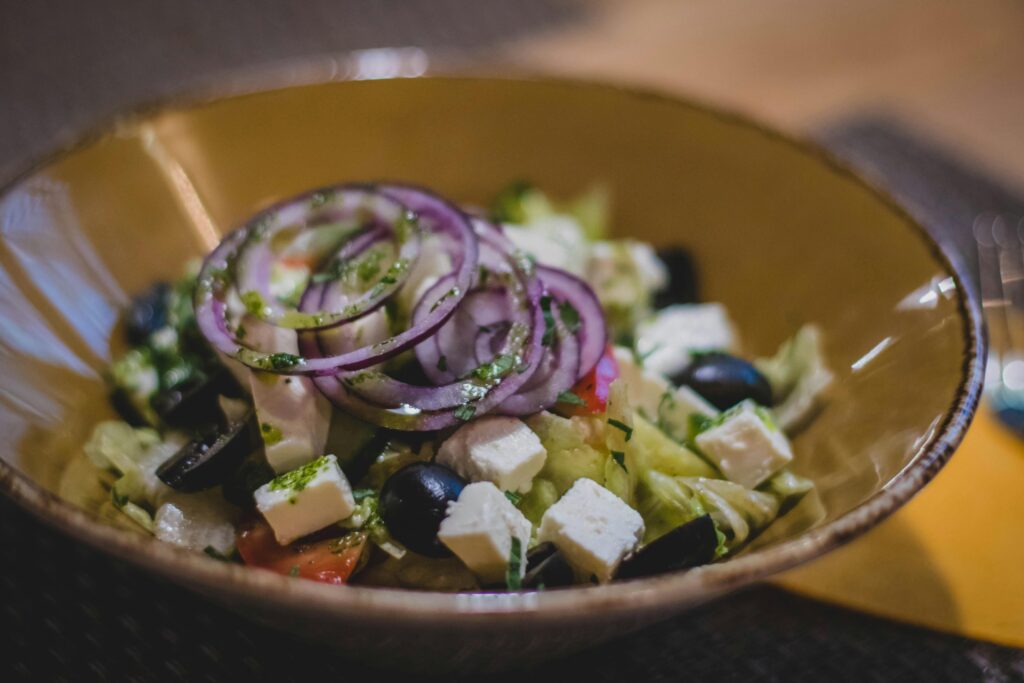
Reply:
x=435, y=215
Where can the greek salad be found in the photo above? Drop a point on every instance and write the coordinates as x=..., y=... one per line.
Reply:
x=370, y=384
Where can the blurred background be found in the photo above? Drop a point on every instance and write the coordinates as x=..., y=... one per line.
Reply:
x=948, y=68
x=924, y=96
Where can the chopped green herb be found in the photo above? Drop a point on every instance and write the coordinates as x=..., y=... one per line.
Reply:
x=442, y=363
x=281, y=361
x=620, y=458
x=119, y=500
x=496, y=369
x=299, y=479
x=465, y=412
x=571, y=398
x=484, y=274
x=254, y=303
x=549, y=321
x=513, y=577
x=618, y=424
x=359, y=495
x=294, y=571
x=513, y=497
x=271, y=434
x=570, y=316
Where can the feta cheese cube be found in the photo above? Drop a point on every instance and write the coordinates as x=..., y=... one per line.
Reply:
x=479, y=529
x=667, y=340
x=495, y=448
x=306, y=500
x=747, y=446
x=657, y=400
x=593, y=528
x=294, y=416
x=197, y=521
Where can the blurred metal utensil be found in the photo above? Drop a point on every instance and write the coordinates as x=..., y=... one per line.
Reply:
x=1000, y=240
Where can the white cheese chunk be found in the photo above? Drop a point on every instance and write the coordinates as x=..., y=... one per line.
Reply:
x=554, y=240
x=294, y=416
x=197, y=521
x=593, y=528
x=747, y=447
x=479, y=529
x=667, y=340
x=657, y=400
x=306, y=500
x=433, y=262
x=495, y=448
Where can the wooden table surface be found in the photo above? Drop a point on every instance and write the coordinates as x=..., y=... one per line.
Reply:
x=952, y=68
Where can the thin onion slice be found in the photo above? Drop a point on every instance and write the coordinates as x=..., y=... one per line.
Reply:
x=434, y=215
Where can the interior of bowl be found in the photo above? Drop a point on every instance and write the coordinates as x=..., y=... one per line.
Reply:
x=780, y=235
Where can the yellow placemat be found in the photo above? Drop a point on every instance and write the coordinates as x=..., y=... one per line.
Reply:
x=953, y=558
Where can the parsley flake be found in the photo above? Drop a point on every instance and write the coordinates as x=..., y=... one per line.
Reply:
x=571, y=399
x=620, y=458
x=549, y=321
x=465, y=412
x=496, y=369
x=625, y=428
x=513, y=578
x=513, y=497
x=570, y=316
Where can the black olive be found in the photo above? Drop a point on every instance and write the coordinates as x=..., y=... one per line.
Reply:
x=253, y=473
x=546, y=567
x=685, y=547
x=682, y=278
x=213, y=457
x=147, y=313
x=413, y=503
x=193, y=403
x=725, y=380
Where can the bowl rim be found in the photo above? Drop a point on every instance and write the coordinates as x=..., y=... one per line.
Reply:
x=662, y=594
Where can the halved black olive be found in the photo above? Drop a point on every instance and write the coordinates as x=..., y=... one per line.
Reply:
x=546, y=567
x=682, y=278
x=685, y=547
x=413, y=503
x=725, y=380
x=147, y=313
x=193, y=403
x=210, y=459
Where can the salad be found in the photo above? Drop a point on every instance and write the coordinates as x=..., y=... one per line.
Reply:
x=369, y=384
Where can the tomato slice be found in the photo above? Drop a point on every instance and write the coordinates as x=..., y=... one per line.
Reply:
x=329, y=560
x=592, y=390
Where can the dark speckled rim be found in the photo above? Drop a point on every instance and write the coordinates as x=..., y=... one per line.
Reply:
x=651, y=598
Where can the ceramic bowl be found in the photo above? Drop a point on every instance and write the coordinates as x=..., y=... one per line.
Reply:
x=782, y=235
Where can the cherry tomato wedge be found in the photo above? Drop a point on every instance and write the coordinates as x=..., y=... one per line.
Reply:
x=592, y=390
x=329, y=560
